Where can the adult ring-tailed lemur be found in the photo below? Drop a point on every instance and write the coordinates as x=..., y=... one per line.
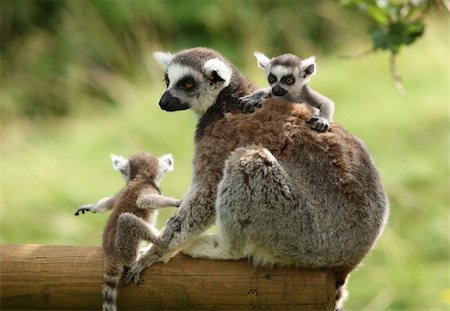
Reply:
x=280, y=192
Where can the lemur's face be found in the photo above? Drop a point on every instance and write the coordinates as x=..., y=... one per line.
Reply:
x=286, y=73
x=193, y=86
x=283, y=80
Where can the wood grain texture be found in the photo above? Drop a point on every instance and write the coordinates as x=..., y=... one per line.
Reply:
x=44, y=277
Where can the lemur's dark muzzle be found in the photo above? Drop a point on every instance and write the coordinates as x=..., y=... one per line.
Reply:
x=171, y=103
x=278, y=91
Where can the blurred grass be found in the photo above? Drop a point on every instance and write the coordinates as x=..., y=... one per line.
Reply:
x=51, y=165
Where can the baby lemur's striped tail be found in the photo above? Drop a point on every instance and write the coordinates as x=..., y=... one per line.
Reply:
x=111, y=277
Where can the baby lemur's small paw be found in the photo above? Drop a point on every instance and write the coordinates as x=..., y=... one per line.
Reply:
x=319, y=124
x=249, y=103
x=85, y=208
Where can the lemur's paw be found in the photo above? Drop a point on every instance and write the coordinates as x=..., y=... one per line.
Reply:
x=319, y=124
x=179, y=202
x=85, y=208
x=133, y=274
x=249, y=103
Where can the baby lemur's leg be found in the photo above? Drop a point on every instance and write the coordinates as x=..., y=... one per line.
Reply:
x=102, y=205
x=320, y=123
x=193, y=217
x=131, y=230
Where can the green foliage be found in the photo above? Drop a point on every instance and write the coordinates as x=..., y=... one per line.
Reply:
x=394, y=22
x=395, y=35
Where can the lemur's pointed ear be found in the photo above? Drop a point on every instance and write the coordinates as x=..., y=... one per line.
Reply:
x=163, y=58
x=263, y=60
x=217, y=71
x=121, y=164
x=166, y=163
x=308, y=67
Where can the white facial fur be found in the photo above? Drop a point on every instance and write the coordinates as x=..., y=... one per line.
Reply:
x=121, y=164
x=176, y=72
x=281, y=71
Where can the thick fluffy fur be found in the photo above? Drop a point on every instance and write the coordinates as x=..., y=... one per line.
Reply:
x=133, y=216
x=280, y=192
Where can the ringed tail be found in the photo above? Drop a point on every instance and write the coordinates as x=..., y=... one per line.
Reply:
x=109, y=291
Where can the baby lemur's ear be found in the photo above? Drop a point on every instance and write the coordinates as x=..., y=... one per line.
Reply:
x=308, y=67
x=166, y=163
x=263, y=60
x=121, y=164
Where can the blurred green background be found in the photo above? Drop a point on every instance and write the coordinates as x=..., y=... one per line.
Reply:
x=78, y=83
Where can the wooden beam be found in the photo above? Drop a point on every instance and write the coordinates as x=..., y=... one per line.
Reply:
x=44, y=277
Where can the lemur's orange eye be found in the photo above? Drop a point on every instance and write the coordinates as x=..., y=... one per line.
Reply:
x=290, y=81
x=187, y=84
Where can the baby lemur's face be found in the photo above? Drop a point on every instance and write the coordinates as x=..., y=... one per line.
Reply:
x=286, y=73
x=143, y=164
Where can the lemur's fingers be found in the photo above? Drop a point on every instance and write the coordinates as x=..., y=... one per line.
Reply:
x=133, y=275
x=179, y=202
x=248, y=108
x=319, y=124
x=249, y=105
x=84, y=208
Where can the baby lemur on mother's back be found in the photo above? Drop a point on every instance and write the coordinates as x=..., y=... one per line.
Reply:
x=288, y=76
x=133, y=217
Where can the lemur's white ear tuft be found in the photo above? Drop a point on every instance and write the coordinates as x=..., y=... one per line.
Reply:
x=166, y=163
x=120, y=164
x=308, y=67
x=263, y=60
x=217, y=71
x=163, y=58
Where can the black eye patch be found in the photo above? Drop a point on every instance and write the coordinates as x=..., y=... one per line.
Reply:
x=187, y=84
x=166, y=79
x=288, y=80
x=272, y=78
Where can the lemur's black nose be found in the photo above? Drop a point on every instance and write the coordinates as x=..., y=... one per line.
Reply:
x=167, y=101
x=171, y=103
x=278, y=91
